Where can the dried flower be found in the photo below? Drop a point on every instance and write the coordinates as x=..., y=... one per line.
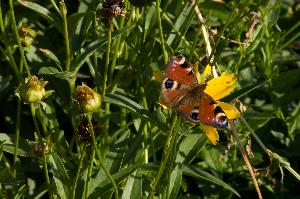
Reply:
x=113, y=8
x=84, y=131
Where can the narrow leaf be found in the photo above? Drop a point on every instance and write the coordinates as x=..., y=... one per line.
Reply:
x=44, y=12
x=60, y=176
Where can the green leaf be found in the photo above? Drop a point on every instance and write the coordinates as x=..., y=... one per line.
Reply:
x=218, y=9
x=117, y=152
x=190, y=146
x=243, y=91
x=133, y=186
x=92, y=47
x=6, y=177
x=175, y=181
x=128, y=104
x=44, y=12
x=8, y=144
x=49, y=54
x=61, y=82
x=73, y=21
x=180, y=25
x=105, y=184
x=286, y=81
x=197, y=173
x=60, y=176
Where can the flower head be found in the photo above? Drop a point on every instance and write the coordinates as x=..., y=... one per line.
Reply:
x=32, y=90
x=86, y=99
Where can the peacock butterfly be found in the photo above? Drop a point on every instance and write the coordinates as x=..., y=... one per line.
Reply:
x=181, y=91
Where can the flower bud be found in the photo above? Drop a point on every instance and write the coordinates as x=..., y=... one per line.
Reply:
x=32, y=90
x=86, y=99
x=27, y=35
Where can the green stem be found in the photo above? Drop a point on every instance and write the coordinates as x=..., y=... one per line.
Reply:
x=100, y=158
x=116, y=51
x=89, y=173
x=47, y=175
x=15, y=29
x=167, y=149
x=17, y=138
x=77, y=173
x=161, y=31
x=105, y=75
x=36, y=125
x=55, y=6
x=63, y=12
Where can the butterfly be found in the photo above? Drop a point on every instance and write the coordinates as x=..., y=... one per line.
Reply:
x=181, y=91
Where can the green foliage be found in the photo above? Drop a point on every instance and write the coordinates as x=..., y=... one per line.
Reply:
x=131, y=147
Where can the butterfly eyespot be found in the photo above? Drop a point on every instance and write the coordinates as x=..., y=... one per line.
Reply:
x=195, y=115
x=169, y=83
x=221, y=120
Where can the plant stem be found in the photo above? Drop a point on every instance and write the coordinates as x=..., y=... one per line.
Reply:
x=246, y=160
x=89, y=173
x=258, y=140
x=105, y=75
x=167, y=149
x=161, y=31
x=77, y=173
x=47, y=176
x=17, y=138
x=55, y=6
x=63, y=12
x=36, y=125
x=100, y=158
x=15, y=29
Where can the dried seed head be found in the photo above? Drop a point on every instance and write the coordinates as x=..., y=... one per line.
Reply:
x=113, y=8
x=84, y=131
x=39, y=147
x=32, y=90
x=86, y=99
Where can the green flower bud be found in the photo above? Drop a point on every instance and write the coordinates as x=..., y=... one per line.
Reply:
x=86, y=99
x=27, y=35
x=32, y=90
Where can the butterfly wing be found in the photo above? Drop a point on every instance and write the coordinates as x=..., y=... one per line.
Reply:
x=197, y=106
x=180, y=79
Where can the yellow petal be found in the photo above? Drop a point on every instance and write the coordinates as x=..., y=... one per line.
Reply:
x=162, y=105
x=230, y=110
x=221, y=86
x=211, y=133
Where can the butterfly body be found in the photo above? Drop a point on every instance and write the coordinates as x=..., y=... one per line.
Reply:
x=180, y=91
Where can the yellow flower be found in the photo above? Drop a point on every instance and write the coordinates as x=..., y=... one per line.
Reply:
x=218, y=88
